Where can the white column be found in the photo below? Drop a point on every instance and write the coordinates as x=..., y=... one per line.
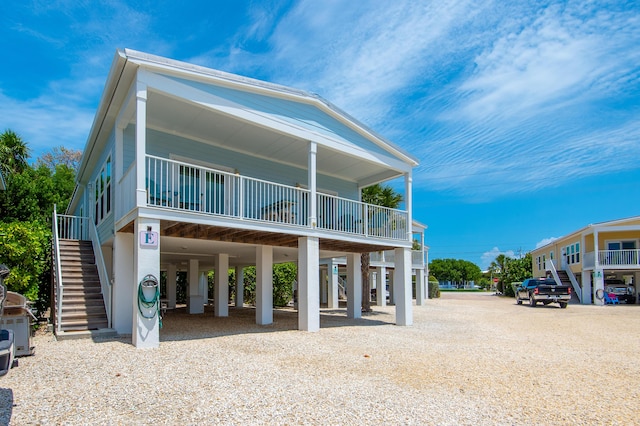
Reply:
x=313, y=151
x=354, y=286
x=221, y=285
x=586, y=288
x=264, y=285
x=196, y=300
x=172, y=279
x=308, y=284
x=123, y=282
x=141, y=141
x=146, y=331
x=239, y=286
x=332, y=285
x=402, y=287
x=420, y=295
x=598, y=284
x=381, y=284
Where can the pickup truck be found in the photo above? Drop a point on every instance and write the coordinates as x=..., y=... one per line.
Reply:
x=544, y=290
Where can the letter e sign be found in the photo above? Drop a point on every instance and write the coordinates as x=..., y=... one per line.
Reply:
x=148, y=239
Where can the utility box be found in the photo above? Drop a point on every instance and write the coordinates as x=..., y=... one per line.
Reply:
x=17, y=317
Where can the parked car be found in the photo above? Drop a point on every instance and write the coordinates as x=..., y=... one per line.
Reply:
x=544, y=290
x=624, y=291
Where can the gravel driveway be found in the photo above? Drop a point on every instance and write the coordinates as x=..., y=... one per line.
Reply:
x=468, y=359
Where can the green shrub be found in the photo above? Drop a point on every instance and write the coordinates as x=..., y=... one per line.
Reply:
x=434, y=287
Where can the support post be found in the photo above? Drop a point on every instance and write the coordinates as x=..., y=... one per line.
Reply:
x=264, y=285
x=123, y=283
x=402, y=287
x=354, y=286
x=146, y=324
x=196, y=300
x=308, y=284
x=221, y=285
x=239, y=286
x=420, y=294
x=381, y=286
x=332, y=285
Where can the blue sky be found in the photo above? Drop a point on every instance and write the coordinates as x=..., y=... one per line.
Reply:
x=525, y=116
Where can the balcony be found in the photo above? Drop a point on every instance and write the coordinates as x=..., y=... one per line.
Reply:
x=179, y=186
x=613, y=259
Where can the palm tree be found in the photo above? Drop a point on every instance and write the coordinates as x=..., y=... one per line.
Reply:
x=384, y=196
x=13, y=153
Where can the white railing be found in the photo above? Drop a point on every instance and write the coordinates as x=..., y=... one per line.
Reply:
x=417, y=258
x=355, y=217
x=59, y=290
x=177, y=185
x=575, y=284
x=105, y=284
x=71, y=227
x=629, y=257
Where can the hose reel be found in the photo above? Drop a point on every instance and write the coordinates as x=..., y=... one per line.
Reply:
x=149, y=298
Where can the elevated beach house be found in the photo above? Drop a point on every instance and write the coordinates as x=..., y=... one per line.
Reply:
x=191, y=168
x=594, y=259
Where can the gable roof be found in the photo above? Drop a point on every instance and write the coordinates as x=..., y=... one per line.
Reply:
x=294, y=113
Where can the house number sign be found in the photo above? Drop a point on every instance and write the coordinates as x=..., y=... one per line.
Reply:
x=148, y=239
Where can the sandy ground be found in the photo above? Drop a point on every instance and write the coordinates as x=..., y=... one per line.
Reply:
x=467, y=359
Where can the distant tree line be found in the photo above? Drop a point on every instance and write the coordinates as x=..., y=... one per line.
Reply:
x=506, y=270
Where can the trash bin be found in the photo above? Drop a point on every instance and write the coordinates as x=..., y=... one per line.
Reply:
x=17, y=317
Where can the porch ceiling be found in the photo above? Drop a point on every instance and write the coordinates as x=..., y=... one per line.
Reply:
x=182, y=241
x=175, y=116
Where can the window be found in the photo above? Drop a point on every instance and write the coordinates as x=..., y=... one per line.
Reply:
x=573, y=253
x=539, y=263
x=103, y=192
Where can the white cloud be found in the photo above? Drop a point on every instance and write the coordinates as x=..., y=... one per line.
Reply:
x=489, y=256
x=46, y=122
x=545, y=241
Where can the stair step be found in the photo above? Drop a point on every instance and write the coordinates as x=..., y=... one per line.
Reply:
x=82, y=300
x=82, y=325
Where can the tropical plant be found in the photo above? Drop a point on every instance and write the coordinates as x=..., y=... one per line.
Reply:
x=13, y=153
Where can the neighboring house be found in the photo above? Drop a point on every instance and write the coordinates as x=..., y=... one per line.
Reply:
x=191, y=168
x=3, y=185
x=382, y=266
x=592, y=257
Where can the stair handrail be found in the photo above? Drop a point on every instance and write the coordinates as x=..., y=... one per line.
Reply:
x=576, y=288
x=59, y=290
x=105, y=284
x=574, y=283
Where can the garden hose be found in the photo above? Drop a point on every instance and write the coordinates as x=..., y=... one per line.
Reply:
x=154, y=302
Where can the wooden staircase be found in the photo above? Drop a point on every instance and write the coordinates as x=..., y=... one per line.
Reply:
x=82, y=301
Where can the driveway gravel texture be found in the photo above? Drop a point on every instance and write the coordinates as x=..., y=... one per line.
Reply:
x=468, y=359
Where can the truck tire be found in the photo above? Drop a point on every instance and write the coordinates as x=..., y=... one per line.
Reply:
x=532, y=302
x=518, y=301
x=563, y=305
